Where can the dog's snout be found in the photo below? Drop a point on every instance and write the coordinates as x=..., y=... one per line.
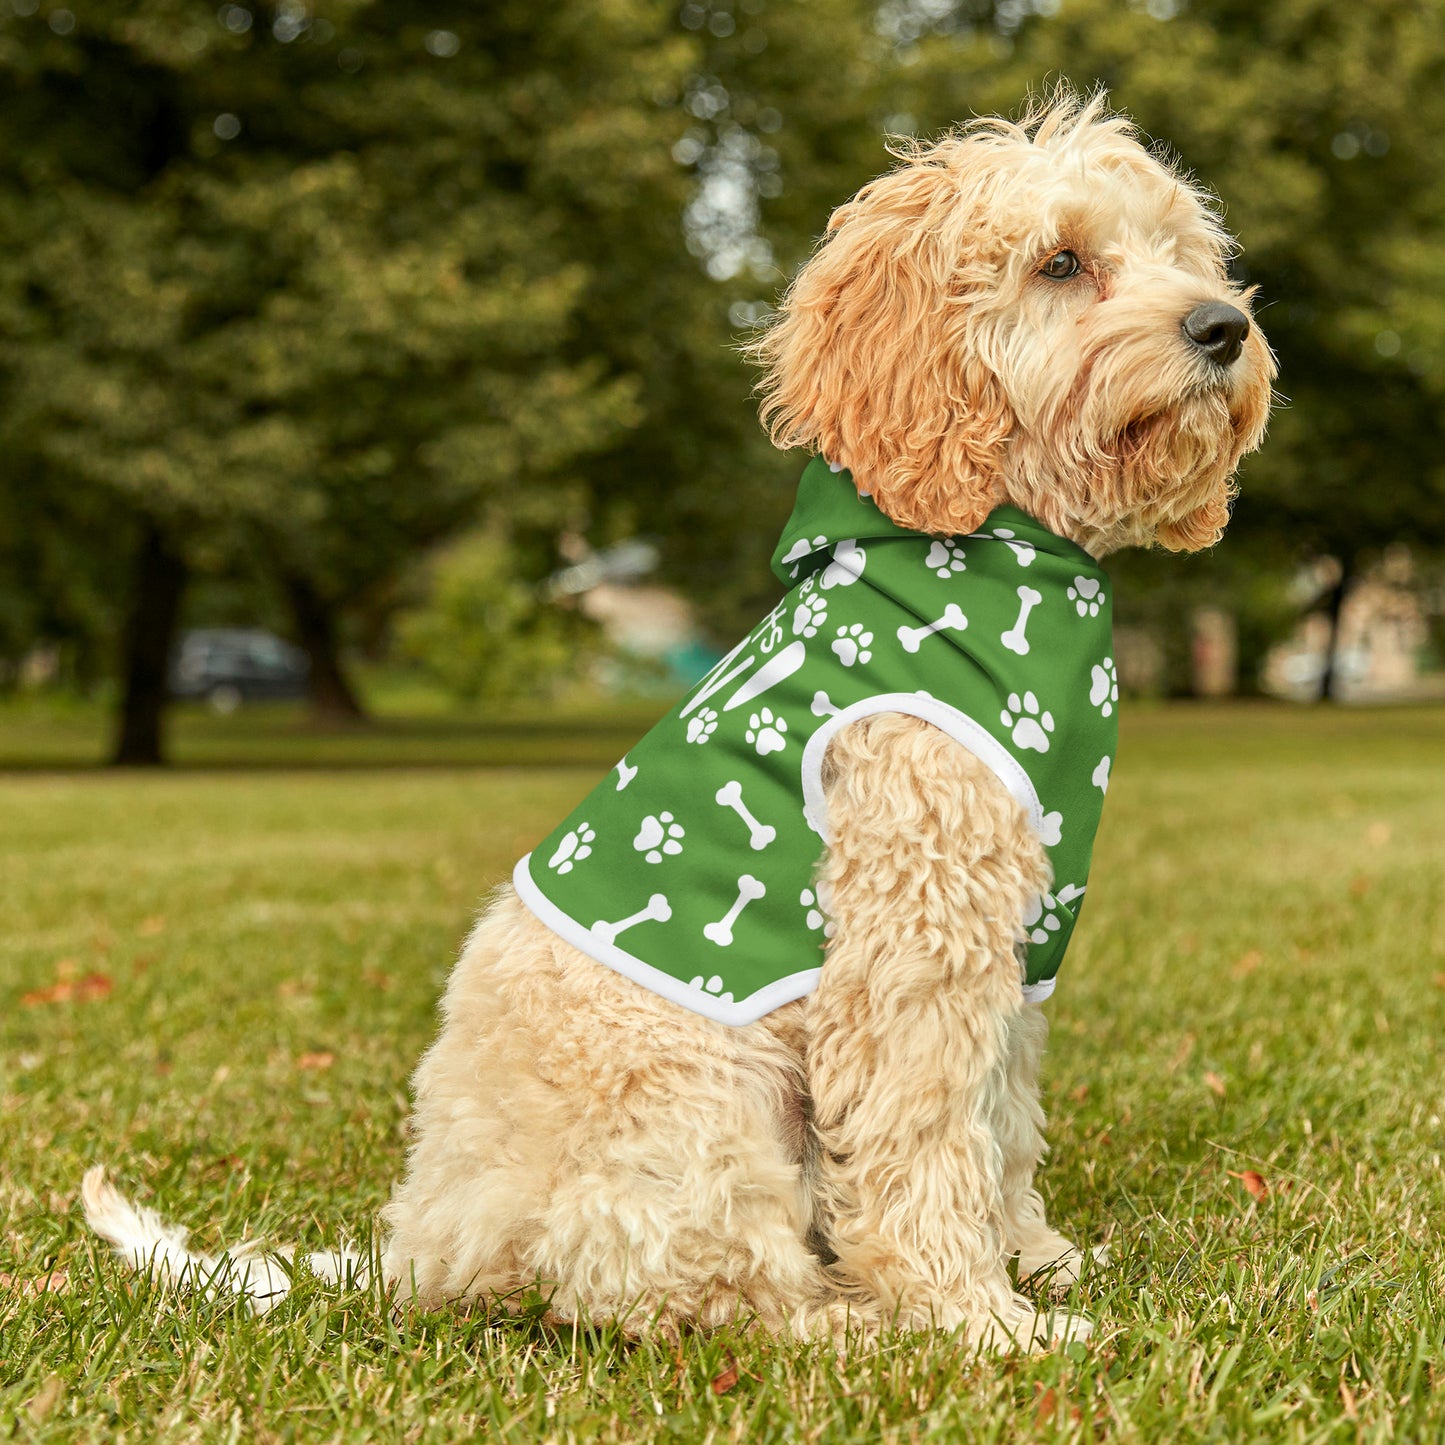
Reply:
x=1218, y=330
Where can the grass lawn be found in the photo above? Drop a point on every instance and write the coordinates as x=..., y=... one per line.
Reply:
x=216, y=980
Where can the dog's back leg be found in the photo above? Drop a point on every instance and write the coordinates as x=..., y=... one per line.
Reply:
x=575, y=1133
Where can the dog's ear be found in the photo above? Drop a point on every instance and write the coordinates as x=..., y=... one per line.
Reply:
x=872, y=360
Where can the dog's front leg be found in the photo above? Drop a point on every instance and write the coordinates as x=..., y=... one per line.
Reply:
x=930, y=869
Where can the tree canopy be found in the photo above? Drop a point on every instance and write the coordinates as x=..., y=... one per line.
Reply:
x=307, y=288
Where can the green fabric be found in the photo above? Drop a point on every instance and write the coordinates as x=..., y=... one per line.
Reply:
x=690, y=867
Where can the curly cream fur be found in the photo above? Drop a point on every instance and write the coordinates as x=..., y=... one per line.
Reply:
x=867, y=1155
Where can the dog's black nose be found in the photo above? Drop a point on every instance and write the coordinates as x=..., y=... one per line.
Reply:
x=1217, y=330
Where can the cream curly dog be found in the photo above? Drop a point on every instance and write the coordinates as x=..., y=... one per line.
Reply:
x=1034, y=314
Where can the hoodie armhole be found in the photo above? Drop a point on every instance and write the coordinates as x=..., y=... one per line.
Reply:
x=963, y=729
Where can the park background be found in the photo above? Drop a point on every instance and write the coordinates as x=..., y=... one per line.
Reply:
x=384, y=335
x=408, y=333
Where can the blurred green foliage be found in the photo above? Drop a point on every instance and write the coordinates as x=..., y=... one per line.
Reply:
x=479, y=631
x=293, y=292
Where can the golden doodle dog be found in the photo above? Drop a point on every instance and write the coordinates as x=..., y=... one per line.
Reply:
x=1029, y=322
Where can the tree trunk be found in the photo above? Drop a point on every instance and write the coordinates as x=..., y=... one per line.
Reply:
x=1329, y=675
x=150, y=629
x=333, y=699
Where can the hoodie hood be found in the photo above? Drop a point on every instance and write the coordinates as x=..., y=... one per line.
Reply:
x=830, y=514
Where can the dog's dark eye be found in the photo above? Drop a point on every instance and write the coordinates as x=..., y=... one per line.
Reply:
x=1060, y=266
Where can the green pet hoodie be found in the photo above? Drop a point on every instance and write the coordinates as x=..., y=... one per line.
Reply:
x=690, y=868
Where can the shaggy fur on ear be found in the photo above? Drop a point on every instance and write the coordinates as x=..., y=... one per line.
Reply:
x=870, y=361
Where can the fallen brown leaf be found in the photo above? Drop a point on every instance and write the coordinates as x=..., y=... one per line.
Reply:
x=56, y=1282
x=321, y=1059
x=80, y=990
x=1254, y=1182
x=1080, y=1094
x=723, y=1382
x=1440, y=980
x=1247, y=964
x=1360, y=885
x=1214, y=1083
x=151, y=927
x=377, y=979
x=1046, y=1407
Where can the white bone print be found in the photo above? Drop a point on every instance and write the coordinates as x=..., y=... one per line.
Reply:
x=730, y=795
x=822, y=705
x=625, y=774
x=1016, y=639
x=1024, y=551
x=721, y=932
x=952, y=619
x=658, y=910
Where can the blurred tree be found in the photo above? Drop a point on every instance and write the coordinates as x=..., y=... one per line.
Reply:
x=305, y=281
x=328, y=282
x=479, y=631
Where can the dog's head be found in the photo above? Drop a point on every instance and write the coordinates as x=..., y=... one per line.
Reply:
x=1036, y=313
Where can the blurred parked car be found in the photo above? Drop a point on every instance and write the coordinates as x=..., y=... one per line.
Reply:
x=230, y=665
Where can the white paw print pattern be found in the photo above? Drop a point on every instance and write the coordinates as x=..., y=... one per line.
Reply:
x=574, y=847
x=765, y=732
x=701, y=726
x=849, y=560
x=816, y=918
x=659, y=835
x=1041, y=918
x=803, y=547
x=1100, y=778
x=853, y=644
x=714, y=986
x=809, y=615
x=1104, y=686
x=946, y=557
x=1087, y=596
x=1029, y=727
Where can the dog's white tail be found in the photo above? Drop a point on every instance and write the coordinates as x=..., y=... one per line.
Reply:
x=147, y=1243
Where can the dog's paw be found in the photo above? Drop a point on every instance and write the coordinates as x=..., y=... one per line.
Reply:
x=1023, y=1326
x=1058, y=1268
